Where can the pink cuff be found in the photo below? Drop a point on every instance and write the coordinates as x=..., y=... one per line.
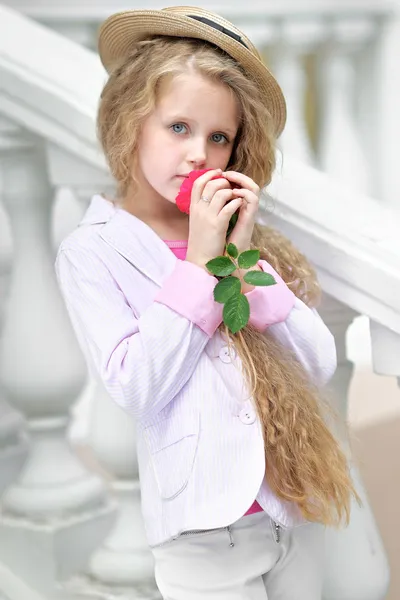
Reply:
x=189, y=292
x=270, y=304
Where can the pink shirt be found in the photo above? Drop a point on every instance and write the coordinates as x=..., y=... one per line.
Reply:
x=179, y=248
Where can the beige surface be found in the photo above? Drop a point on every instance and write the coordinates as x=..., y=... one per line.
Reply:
x=374, y=408
x=380, y=467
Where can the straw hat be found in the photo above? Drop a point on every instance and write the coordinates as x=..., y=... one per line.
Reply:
x=121, y=30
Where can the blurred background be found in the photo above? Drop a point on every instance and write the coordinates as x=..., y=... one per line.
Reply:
x=70, y=525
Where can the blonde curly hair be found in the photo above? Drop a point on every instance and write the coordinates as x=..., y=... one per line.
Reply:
x=305, y=463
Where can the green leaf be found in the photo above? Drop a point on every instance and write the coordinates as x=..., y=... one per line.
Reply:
x=248, y=258
x=221, y=266
x=259, y=278
x=232, y=223
x=232, y=250
x=236, y=312
x=226, y=288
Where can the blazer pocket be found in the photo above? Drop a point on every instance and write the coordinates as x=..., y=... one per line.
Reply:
x=172, y=444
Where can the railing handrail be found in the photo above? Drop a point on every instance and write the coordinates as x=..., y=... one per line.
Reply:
x=353, y=238
x=53, y=98
x=73, y=11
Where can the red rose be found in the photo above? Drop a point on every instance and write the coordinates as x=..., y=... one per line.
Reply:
x=185, y=192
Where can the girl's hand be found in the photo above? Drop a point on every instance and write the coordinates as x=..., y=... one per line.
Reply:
x=250, y=192
x=208, y=221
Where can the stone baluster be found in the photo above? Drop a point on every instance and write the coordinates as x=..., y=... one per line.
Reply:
x=13, y=439
x=341, y=151
x=13, y=444
x=297, y=39
x=6, y=242
x=55, y=504
x=5, y=256
x=387, y=93
x=124, y=560
x=66, y=215
x=356, y=564
x=123, y=563
x=385, y=350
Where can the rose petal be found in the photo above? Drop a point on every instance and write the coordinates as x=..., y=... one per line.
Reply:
x=184, y=196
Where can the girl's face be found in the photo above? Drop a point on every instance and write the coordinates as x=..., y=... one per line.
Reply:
x=193, y=126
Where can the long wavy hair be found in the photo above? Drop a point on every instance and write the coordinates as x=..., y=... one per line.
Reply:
x=305, y=463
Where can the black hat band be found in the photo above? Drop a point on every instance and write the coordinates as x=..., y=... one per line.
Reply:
x=220, y=28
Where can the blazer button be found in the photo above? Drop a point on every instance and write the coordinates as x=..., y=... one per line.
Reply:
x=226, y=356
x=247, y=416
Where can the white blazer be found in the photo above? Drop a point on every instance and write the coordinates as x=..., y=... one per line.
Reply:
x=199, y=441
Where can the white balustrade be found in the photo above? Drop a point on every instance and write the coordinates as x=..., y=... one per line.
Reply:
x=356, y=563
x=13, y=439
x=42, y=372
x=6, y=243
x=345, y=42
x=341, y=151
x=386, y=89
x=385, y=349
x=13, y=444
x=356, y=566
x=5, y=254
x=296, y=41
x=124, y=559
x=66, y=214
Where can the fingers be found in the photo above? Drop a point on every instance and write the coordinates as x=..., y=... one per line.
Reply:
x=218, y=191
x=220, y=198
x=201, y=182
x=243, y=180
x=251, y=199
x=214, y=186
x=231, y=208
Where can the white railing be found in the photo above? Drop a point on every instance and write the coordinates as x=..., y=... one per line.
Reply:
x=83, y=509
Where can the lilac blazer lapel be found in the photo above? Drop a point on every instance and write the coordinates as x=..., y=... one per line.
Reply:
x=140, y=245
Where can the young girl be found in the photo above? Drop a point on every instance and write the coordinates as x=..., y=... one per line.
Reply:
x=239, y=472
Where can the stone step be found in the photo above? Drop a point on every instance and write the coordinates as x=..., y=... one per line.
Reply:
x=83, y=588
x=13, y=588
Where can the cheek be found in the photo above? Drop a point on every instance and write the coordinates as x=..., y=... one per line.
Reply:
x=150, y=155
x=220, y=155
x=162, y=150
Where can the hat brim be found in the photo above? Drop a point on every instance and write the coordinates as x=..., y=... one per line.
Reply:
x=121, y=30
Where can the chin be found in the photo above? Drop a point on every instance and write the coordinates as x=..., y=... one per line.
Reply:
x=171, y=197
x=172, y=193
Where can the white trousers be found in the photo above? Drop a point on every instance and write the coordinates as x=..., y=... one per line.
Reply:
x=250, y=560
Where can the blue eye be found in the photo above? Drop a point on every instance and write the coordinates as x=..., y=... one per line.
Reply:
x=179, y=128
x=219, y=138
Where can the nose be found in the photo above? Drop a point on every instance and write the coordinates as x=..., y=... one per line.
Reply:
x=197, y=153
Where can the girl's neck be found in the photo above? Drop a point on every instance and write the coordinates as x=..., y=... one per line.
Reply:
x=169, y=223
